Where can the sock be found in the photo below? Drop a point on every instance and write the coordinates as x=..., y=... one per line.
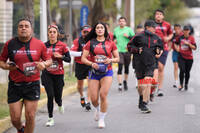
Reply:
x=102, y=115
x=97, y=108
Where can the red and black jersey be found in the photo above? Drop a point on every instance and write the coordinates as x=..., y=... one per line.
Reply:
x=15, y=51
x=78, y=45
x=163, y=30
x=99, y=50
x=185, y=50
x=174, y=38
x=57, y=67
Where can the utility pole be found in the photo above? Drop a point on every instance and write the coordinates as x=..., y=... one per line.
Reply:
x=70, y=32
x=43, y=20
x=132, y=14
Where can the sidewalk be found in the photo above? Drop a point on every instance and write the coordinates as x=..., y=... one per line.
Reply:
x=6, y=123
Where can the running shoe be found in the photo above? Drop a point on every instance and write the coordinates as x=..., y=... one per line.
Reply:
x=88, y=106
x=83, y=102
x=186, y=87
x=21, y=130
x=180, y=88
x=61, y=109
x=125, y=85
x=144, y=108
x=50, y=122
x=160, y=93
x=175, y=86
x=96, y=115
x=101, y=123
x=120, y=88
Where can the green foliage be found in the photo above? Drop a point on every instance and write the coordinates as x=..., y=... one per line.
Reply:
x=175, y=10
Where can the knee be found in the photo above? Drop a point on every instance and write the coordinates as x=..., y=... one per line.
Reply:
x=30, y=116
x=15, y=119
x=103, y=96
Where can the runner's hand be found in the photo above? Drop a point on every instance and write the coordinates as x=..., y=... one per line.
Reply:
x=108, y=61
x=95, y=66
x=140, y=50
x=40, y=65
x=57, y=55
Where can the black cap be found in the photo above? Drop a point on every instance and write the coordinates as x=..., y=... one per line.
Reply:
x=186, y=27
x=150, y=23
x=139, y=26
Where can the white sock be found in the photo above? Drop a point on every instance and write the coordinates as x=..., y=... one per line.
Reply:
x=102, y=115
x=97, y=108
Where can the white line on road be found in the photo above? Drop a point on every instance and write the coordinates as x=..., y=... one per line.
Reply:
x=190, y=109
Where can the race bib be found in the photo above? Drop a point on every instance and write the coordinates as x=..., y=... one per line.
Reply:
x=30, y=68
x=100, y=58
x=184, y=47
x=53, y=67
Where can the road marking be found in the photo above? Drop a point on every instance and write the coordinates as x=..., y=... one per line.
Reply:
x=190, y=109
x=191, y=90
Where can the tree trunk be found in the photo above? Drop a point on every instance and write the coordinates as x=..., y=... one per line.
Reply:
x=29, y=12
x=49, y=17
x=97, y=13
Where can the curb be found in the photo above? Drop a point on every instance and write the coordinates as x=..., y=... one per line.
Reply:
x=5, y=123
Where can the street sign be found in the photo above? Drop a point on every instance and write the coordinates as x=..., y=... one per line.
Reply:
x=84, y=15
x=76, y=4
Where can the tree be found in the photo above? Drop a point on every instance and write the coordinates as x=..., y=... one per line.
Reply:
x=28, y=10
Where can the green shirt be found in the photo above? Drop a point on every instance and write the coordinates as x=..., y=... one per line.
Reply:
x=122, y=41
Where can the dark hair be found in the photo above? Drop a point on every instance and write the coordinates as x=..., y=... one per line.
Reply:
x=149, y=23
x=177, y=25
x=122, y=18
x=93, y=35
x=159, y=10
x=24, y=19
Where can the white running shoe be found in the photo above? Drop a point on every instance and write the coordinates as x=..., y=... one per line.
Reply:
x=101, y=123
x=61, y=109
x=50, y=122
x=96, y=115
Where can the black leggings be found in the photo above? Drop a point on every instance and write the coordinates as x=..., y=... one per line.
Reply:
x=185, y=66
x=54, y=87
x=120, y=67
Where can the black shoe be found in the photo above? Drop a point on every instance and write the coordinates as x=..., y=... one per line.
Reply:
x=125, y=85
x=186, y=87
x=144, y=108
x=180, y=88
x=174, y=86
x=83, y=102
x=88, y=107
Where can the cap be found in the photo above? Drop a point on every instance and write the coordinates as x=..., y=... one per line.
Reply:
x=86, y=28
x=139, y=26
x=150, y=23
x=186, y=27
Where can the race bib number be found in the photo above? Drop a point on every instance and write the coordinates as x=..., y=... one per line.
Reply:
x=53, y=67
x=30, y=68
x=184, y=47
x=100, y=58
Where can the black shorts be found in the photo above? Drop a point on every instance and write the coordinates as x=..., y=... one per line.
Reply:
x=23, y=91
x=81, y=71
x=163, y=57
x=142, y=71
x=125, y=58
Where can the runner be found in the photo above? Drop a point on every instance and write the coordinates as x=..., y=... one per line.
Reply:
x=176, y=35
x=164, y=31
x=122, y=35
x=184, y=45
x=145, y=47
x=81, y=70
x=53, y=77
x=101, y=49
x=27, y=57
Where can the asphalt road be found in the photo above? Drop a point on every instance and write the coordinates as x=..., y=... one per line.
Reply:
x=176, y=112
